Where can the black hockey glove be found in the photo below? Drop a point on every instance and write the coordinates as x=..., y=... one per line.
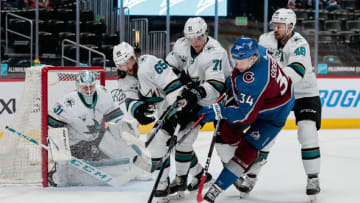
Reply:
x=191, y=96
x=143, y=113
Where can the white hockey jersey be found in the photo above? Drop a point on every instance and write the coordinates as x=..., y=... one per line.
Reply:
x=210, y=67
x=295, y=50
x=128, y=88
x=84, y=122
x=157, y=84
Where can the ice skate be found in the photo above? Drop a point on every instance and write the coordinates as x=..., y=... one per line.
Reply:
x=312, y=188
x=195, y=183
x=245, y=184
x=161, y=195
x=212, y=193
x=177, y=187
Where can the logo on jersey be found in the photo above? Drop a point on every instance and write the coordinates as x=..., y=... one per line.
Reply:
x=210, y=47
x=255, y=135
x=69, y=102
x=82, y=117
x=96, y=129
x=249, y=77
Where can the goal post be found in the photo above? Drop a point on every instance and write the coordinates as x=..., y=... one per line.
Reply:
x=22, y=162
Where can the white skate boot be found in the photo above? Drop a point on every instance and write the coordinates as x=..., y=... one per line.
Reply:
x=212, y=193
x=245, y=184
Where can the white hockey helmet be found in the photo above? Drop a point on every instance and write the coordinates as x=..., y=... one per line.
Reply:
x=284, y=15
x=195, y=27
x=122, y=53
x=85, y=85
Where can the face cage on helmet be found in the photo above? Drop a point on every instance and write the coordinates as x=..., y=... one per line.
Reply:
x=87, y=90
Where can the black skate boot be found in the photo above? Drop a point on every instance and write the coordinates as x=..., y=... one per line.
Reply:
x=245, y=184
x=212, y=193
x=313, y=187
x=178, y=186
x=195, y=183
x=161, y=194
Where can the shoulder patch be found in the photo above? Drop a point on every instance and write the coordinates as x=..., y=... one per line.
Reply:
x=142, y=59
x=69, y=102
x=210, y=48
x=248, y=77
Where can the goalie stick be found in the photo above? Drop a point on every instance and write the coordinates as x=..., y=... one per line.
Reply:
x=81, y=165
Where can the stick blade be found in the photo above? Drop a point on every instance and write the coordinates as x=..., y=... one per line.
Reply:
x=199, y=197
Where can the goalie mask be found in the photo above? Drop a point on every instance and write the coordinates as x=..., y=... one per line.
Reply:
x=85, y=85
x=122, y=53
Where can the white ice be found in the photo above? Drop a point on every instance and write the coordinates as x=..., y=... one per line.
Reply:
x=282, y=180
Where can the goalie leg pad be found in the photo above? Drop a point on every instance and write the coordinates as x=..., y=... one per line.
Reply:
x=115, y=147
x=58, y=140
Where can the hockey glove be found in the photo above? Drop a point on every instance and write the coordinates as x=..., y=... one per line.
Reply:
x=212, y=112
x=186, y=80
x=143, y=114
x=191, y=97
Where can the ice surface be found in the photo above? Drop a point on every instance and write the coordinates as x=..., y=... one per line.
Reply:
x=282, y=180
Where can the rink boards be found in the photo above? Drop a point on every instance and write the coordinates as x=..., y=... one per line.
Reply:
x=340, y=98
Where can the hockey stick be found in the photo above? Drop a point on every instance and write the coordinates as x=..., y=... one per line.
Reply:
x=141, y=163
x=159, y=123
x=199, y=197
x=172, y=143
x=77, y=163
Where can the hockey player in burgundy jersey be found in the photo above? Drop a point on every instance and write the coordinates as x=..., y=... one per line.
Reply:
x=263, y=96
x=292, y=52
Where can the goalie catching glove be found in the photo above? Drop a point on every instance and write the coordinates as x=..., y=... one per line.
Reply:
x=143, y=114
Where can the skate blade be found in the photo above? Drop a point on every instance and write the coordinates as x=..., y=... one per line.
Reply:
x=244, y=195
x=177, y=196
x=161, y=200
x=312, y=198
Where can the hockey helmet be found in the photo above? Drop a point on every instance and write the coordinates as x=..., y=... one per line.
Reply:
x=244, y=47
x=122, y=53
x=85, y=85
x=284, y=15
x=195, y=27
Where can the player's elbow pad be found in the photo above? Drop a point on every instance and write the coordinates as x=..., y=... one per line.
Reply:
x=295, y=71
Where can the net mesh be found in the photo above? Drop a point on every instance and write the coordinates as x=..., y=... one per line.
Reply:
x=21, y=160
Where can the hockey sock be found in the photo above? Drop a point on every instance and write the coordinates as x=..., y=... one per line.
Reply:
x=183, y=161
x=311, y=160
x=226, y=179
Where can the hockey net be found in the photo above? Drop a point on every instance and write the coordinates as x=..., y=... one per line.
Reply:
x=22, y=162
